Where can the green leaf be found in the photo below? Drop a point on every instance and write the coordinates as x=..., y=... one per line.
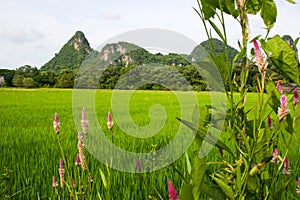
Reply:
x=188, y=163
x=104, y=181
x=230, y=8
x=288, y=123
x=196, y=115
x=200, y=135
x=268, y=13
x=238, y=178
x=253, y=6
x=208, y=8
x=253, y=184
x=265, y=175
x=282, y=56
x=199, y=169
x=296, y=41
x=291, y=1
x=215, y=27
x=222, y=66
x=225, y=188
x=274, y=96
x=214, y=193
x=284, y=187
x=186, y=192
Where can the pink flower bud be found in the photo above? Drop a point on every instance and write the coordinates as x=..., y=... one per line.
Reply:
x=279, y=88
x=56, y=124
x=275, y=156
x=54, y=182
x=283, y=110
x=61, y=164
x=79, y=136
x=298, y=187
x=84, y=122
x=220, y=151
x=286, y=166
x=296, y=97
x=260, y=58
x=73, y=182
x=172, y=191
x=77, y=162
x=270, y=122
x=138, y=165
x=110, y=123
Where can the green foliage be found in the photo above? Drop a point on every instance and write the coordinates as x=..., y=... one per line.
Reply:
x=71, y=55
x=268, y=13
x=257, y=140
x=29, y=83
x=8, y=76
x=253, y=7
x=66, y=79
x=282, y=56
x=26, y=76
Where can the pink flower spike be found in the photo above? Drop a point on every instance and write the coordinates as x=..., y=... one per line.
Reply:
x=283, y=110
x=77, y=162
x=138, y=165
x=260, y=58
x=61, y=171
x=79, y=136
x=91, y=179
x=54, y=182
x=172, y=191
x=279, y=88
x=56, y=124
x=84, y=122
x=275, y=156
x=296, y=97
x=256, y=47
x=110, y=123
x=61, y=164
x=270, y=122
x=283, y=100
x=286, y=166
x=73, y=182
x=83, y=114
x=298, y=187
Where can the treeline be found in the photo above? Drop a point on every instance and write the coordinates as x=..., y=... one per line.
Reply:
x=31, y=77
x=179, y=77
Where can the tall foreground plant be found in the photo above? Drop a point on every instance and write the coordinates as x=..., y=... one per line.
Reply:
x=255, y=142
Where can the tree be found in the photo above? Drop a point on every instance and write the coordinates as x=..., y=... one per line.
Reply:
x=23, y=72
x=29, y=83
x=66, y=79
x=8, y=77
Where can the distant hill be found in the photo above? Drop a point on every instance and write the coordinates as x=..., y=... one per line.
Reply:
x=219, y=49
x=76, y=50
x=124, y=53
x=71, y=54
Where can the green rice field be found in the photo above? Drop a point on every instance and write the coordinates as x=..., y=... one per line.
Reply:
x=30, y=150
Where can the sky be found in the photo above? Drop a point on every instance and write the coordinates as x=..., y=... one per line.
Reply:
x=32, y=31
